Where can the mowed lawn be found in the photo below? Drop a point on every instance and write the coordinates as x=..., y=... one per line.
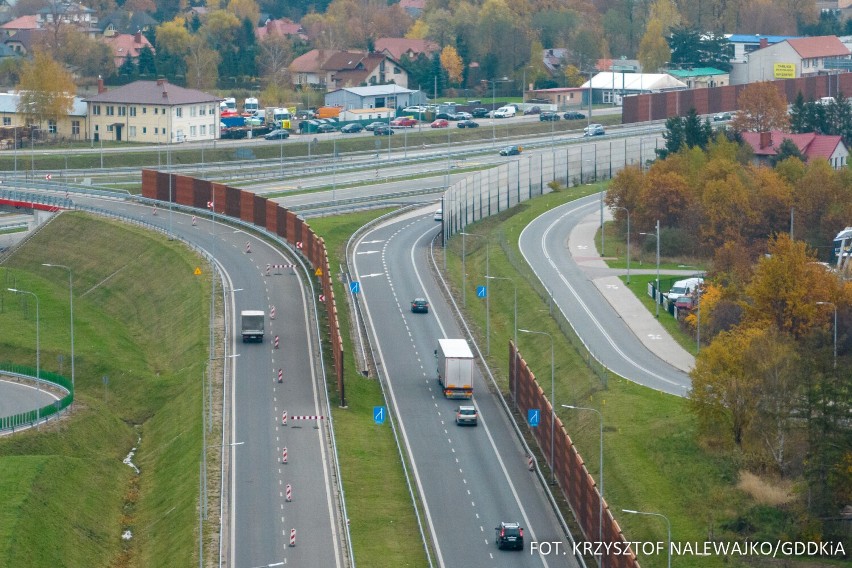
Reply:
x=141, y=336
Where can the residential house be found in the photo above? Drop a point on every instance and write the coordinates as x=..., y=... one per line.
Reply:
x=125, y=22
x=746, y=43
x=283, y=27
x=563, y=97
x=701, y=77
x=413, y=7
x=400, y=48
x=609, y=88
x=123, y=45
x=554, y=60
x=374, y=97
x=6, y=10
x=23, y=41
x=812, y=146
x=797, y=57
x=337, y=69
x=153, y=112
x=70, y=13
x=71, y=126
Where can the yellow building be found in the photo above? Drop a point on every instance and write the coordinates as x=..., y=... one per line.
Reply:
x=152, y=112
x=70, y=127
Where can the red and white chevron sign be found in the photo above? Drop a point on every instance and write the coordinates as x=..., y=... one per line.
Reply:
x=209, y=205
x=299, y=245
x=48, y=177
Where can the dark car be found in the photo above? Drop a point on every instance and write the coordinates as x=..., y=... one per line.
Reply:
x=548, y=116
x=352, y=128
x=326, y=128
x=573, y=115
x=445, y=116
x=510, y=151
x=533, y=110
x=467, y=124
x=279, y=134
x=479, y=112
x=720, y=116
x=383, y=130
x=509, y=535
x=419, y=306
x=373, y=125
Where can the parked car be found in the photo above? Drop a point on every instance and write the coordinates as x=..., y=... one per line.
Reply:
x=372, y=126
x=383, y=130
x=685, y=303
x=573, y=115
x=684, y=288
x=464, y=115
x=326, y=128
x=467, y=415
x=352, y=128
x=479, y=112
x=594, y=130
x=509, y=535
x=279, y=134
x=467, y=124
x=720, y=116
x=445, y=116
x=505, y=112
x=417, y=109
x=404, y=122
x=533, y=110
x=511, y=151
x=419, y=306
x=548, y=116
x=440, y=123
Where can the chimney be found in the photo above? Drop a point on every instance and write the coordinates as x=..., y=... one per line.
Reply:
x=101, y=88
x=161, y=81
x=764, y=42
x=765, y=140
x=137, y=38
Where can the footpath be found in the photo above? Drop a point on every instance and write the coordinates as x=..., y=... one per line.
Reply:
x=581, y=242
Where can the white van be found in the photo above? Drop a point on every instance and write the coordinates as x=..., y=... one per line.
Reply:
x=684, y=288
x=505, y=112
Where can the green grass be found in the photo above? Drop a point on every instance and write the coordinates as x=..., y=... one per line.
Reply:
x=141, y=320
x=652, y=459
x=383, y=525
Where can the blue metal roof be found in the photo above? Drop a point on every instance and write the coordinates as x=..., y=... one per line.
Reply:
x=748, y=38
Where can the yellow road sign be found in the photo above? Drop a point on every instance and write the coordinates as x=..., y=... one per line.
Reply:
x=197, y=271
x=318, y=272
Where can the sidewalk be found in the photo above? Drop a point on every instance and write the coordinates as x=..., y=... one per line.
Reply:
x=581, y=243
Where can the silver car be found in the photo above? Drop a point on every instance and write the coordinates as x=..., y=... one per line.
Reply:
x=594, y=130
x=467, y=415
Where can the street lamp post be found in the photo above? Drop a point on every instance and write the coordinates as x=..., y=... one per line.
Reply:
x=668, y=527
x=657, y=285
x=515, y=326
x=833, y=305
x=600, y=470
x=493, y=102
x=552, y=399
x=38, y=344
x=628, y=240
x=71, y=304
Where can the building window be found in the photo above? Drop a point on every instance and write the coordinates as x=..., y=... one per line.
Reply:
x=122, y=111
x=110, y=110
x=156, y=110
x=132, y=111
x=202, y=110
x=203, y=129
x=156, y=130
x=192, y=111
x=96, y=110
x=75, y=127
x=132, y=130
x=109, y=127
x=144, y=110
x=7, y=121
x=51, y=126
x=97, y=127
x=144, y=130
x=396, y=70
x=179, y=112
x=192, y=130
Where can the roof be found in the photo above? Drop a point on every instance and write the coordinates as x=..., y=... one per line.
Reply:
x=9, y=104
x=748, y=38
x=22, y=23
x=309, y=62
x=27, y=38
x=809, y=144
x=281, y=27
x=455, y=348
x=376, y=90
x=344, y=60
x=396, y=47
x=697, y=72
x=635, y=82
x=127, y=22
x=122, y=44
x=158, y=92
x=369, y=110
x=559, y=90
x=819, y=46
x=413, y=6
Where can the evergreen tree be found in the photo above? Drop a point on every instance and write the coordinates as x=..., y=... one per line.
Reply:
x=145, y=64
x=128, y=67
x=696, y=132
x=797, y=114
x=674, y=136
x=787, y=149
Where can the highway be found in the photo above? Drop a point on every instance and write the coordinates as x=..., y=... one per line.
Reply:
x=470, y=478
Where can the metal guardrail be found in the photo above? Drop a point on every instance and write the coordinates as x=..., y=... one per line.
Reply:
x=30, y=418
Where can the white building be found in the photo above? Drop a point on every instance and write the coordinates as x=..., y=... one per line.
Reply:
x=792, y=58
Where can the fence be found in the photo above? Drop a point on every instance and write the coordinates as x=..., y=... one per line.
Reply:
x=263, y=213
x=31, y=417
x=568, y=467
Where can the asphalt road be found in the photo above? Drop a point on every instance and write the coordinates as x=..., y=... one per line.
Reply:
x=470, y=478
x=18, y=397
x=543, y=243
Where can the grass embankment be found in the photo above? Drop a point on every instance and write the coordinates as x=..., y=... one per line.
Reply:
x=652, y=459
x=383, y=525
x=140, y=319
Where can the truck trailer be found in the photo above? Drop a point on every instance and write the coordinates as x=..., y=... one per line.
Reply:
x=455, y=368
x=251, y=324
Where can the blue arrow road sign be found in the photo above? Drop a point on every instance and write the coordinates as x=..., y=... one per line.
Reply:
x=355, y=287
x=533, y=417
x=379, y=414
x=481, y=291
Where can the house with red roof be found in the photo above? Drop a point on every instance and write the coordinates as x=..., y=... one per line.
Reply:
x=795, y=57
x=812, y=146
x=283, y=27
x=400, y=48
x=123, y=45
x=413, y=7
x=337, y=69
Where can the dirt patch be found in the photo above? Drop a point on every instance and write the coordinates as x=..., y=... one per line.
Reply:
x=765, y=490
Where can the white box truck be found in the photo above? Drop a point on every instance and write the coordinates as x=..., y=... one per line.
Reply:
x=251, y=324
x=455, y=368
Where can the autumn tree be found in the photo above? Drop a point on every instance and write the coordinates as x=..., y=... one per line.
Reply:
x=762, y=108
x=653, y=49
x=202, y=65
x=245, y=10
x=46, y=89
x=275, y=54
x=172, y=48
x=452, y=63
